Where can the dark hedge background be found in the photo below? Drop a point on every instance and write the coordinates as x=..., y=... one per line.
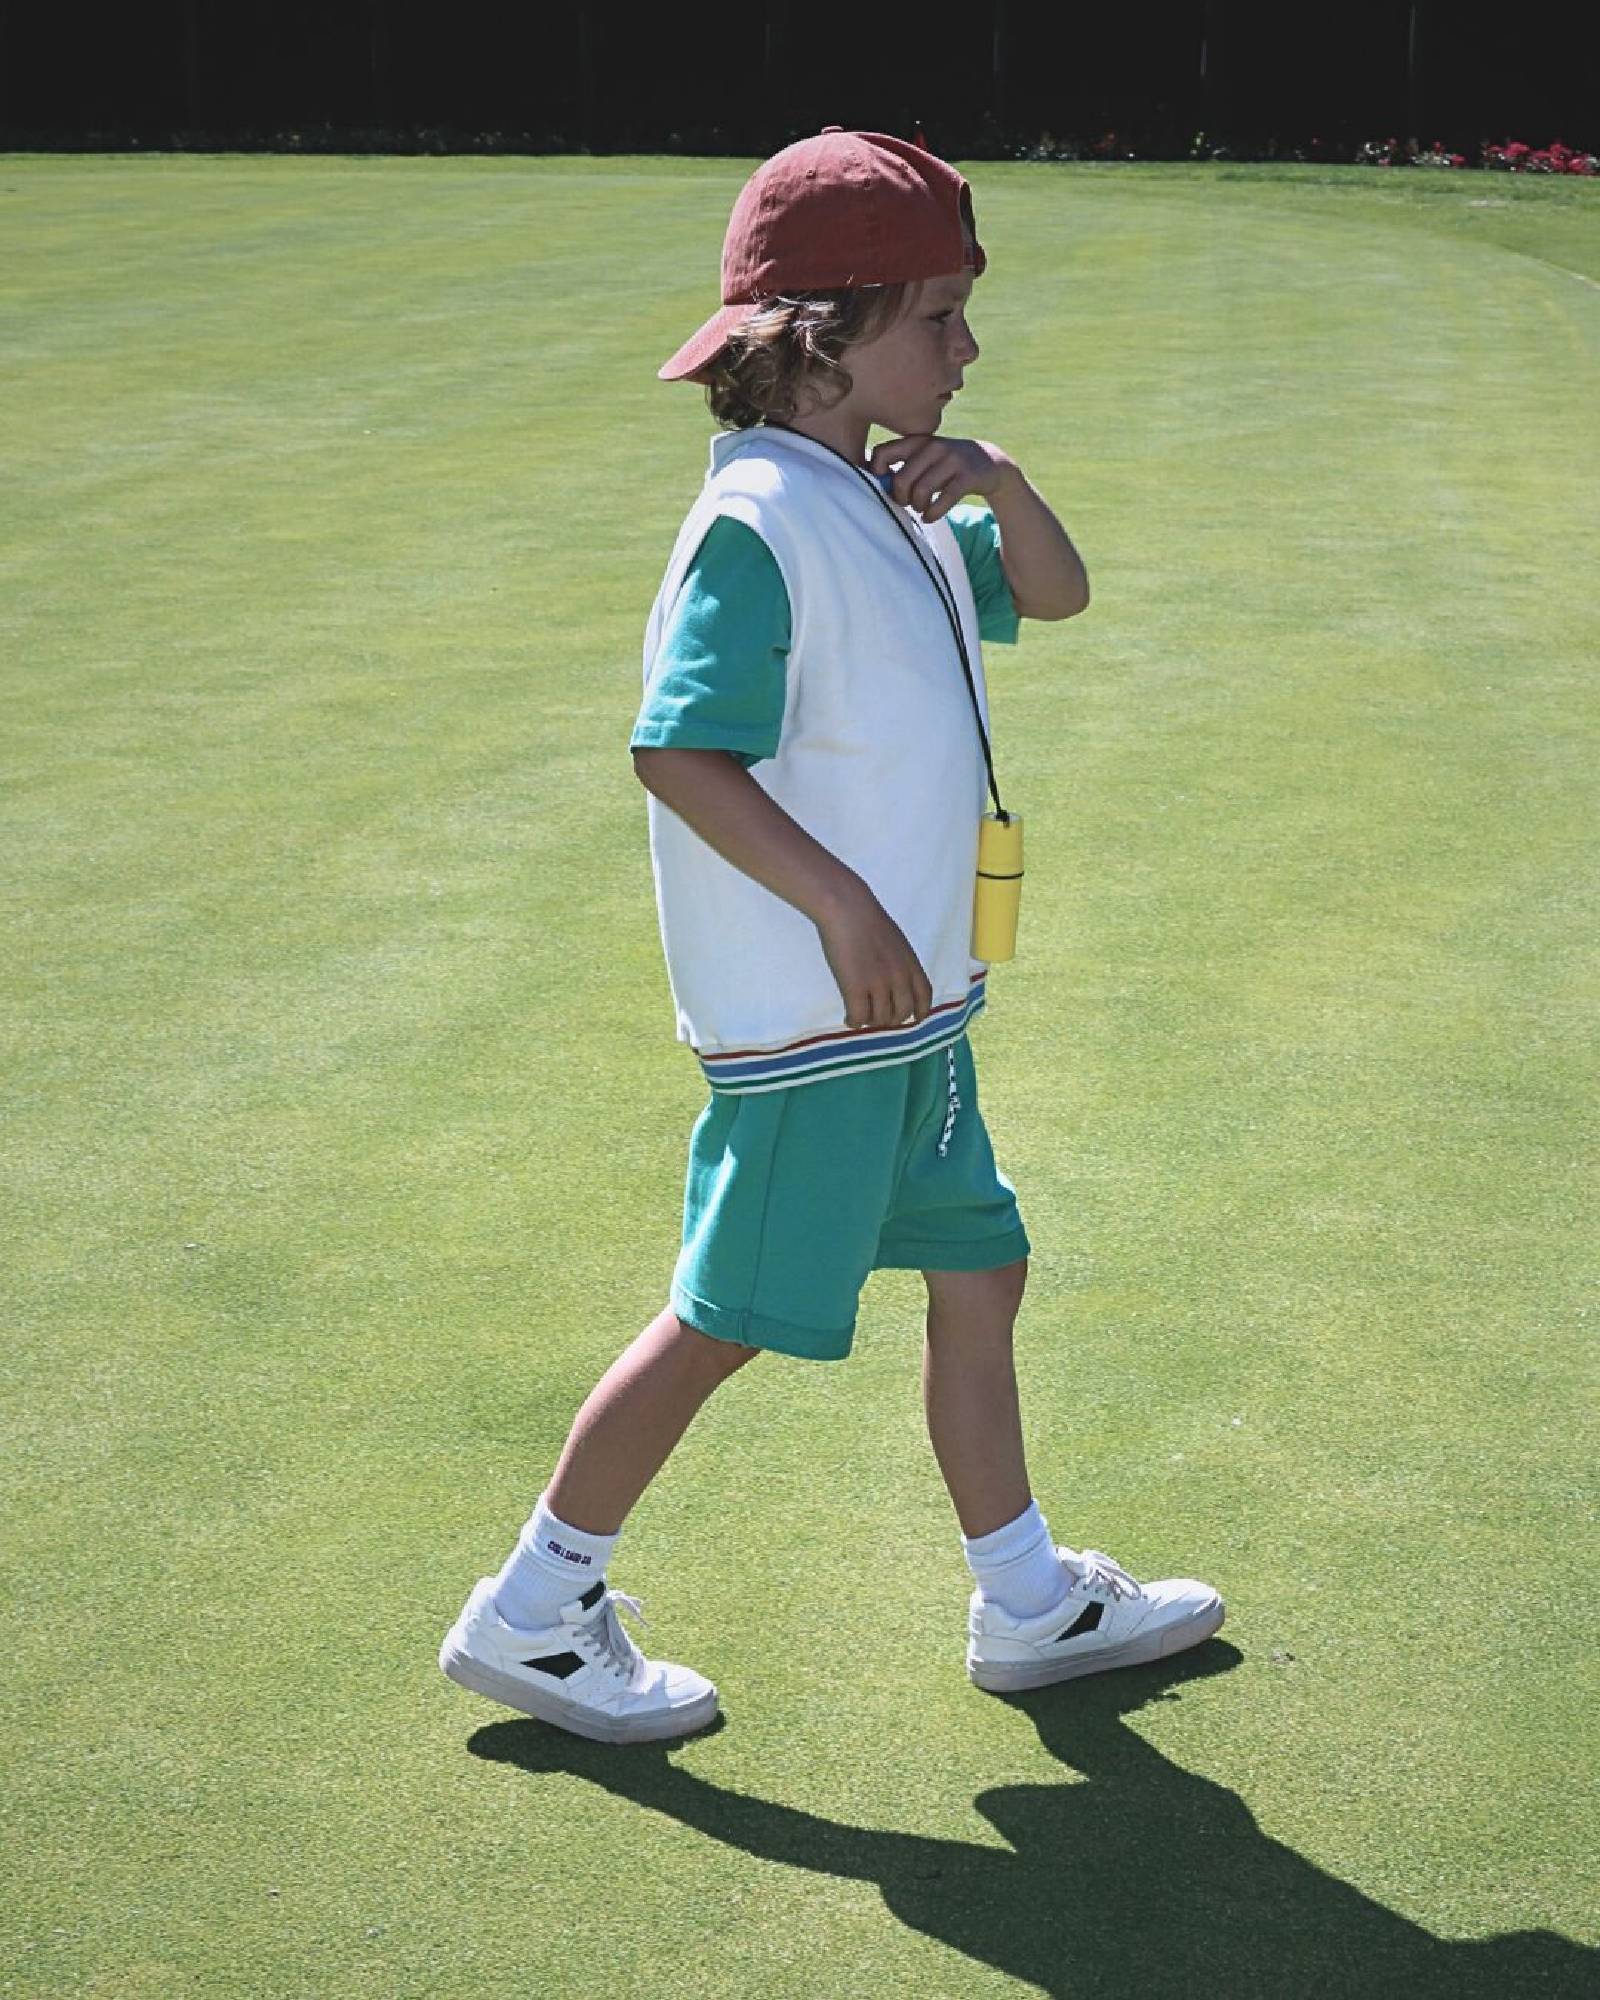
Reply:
x=399, y=74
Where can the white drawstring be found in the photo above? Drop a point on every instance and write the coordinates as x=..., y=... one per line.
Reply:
x=955, y=1104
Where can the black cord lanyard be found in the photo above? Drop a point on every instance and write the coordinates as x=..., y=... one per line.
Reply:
x=941, y=583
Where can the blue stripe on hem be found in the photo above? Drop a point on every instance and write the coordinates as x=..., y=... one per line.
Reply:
x=831, y=1059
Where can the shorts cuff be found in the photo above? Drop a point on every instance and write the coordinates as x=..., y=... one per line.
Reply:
x=752, y=1329
x=988, y=1253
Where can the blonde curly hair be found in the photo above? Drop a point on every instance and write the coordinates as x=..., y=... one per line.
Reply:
x=792, y=348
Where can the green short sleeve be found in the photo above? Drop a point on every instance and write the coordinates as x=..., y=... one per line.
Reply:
x=977, y=533
x=720, y=678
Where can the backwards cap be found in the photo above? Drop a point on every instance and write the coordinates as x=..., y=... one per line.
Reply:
x=841, y=210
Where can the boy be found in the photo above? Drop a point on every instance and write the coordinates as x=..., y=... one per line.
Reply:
x=816, y=780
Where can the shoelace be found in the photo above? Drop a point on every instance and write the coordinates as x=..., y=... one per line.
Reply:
x=614, y=1652
x=1099, y=1575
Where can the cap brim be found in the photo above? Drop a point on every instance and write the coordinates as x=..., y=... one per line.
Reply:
x=702, y=348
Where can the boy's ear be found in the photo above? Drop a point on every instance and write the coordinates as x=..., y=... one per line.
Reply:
x=808, y=398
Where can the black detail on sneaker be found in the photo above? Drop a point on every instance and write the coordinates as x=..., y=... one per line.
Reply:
x=592, y=1596
x=1088, y=1618
x=558, y=1664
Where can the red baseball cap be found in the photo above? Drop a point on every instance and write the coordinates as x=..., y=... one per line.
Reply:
x=837, y=211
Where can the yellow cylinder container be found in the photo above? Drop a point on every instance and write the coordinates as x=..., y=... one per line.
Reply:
x=999, y=890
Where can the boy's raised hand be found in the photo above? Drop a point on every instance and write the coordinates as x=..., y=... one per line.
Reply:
x=950, y=468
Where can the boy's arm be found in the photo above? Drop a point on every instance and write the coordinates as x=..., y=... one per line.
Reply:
x=1044, y=570
x=880, y=978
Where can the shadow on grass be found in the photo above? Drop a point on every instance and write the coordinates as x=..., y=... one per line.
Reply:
x=1144, y=1880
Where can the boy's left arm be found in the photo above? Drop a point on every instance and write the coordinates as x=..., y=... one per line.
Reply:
x=1044, y=570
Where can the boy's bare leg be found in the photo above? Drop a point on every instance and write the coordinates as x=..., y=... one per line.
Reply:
x=633, y=1417
x=969, y=1392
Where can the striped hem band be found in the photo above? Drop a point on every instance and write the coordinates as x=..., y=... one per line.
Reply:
x=843, y=1052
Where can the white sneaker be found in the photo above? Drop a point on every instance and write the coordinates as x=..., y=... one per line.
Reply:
x=583, y=1673
x=1105, y=1620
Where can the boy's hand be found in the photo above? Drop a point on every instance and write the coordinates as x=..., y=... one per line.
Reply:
x=880, y=977
x=948, y=467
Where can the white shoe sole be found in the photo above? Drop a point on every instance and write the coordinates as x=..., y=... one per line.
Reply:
x=1012, y=1676
x=549, y=1707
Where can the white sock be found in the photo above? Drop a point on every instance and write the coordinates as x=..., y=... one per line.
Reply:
x=1017, y=1566
x=551, y=1564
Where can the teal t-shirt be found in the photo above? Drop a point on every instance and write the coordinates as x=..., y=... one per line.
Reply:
x=720, y=670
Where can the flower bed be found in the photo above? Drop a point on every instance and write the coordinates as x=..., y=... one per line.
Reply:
x=1511, y=157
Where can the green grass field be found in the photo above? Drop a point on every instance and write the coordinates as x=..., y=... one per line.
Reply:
x=345, y=1130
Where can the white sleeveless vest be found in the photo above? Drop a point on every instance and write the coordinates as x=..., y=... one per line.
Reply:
x=878, y=759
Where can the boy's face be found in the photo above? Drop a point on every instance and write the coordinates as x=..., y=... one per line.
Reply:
x=904, y=378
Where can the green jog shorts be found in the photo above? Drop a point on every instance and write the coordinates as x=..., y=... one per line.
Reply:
x=794, y=1195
